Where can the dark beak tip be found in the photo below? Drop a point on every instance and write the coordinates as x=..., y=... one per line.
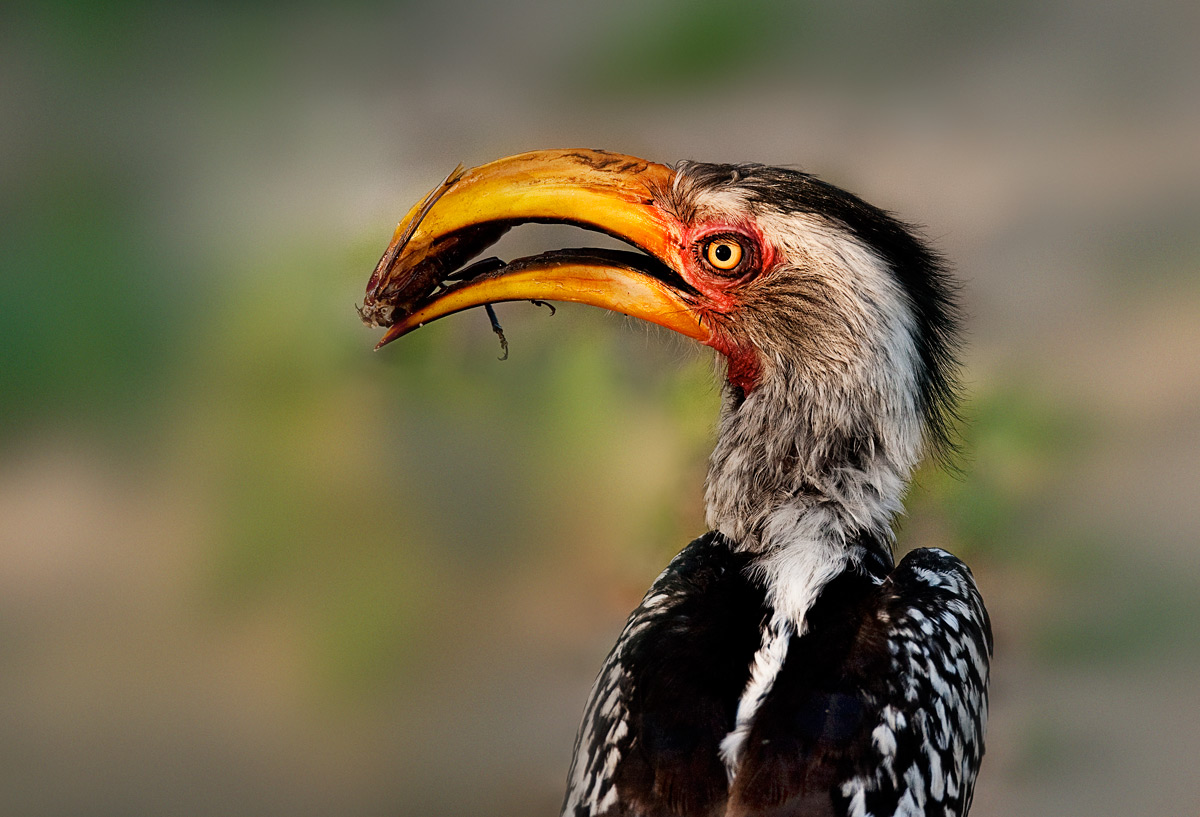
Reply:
x=393, y=333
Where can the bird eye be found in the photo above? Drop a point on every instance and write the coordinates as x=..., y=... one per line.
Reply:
x=723, y=254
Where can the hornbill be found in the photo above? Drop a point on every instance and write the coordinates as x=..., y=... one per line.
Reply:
x=783, y=663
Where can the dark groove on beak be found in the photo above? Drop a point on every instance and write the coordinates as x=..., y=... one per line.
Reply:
x=493, y=267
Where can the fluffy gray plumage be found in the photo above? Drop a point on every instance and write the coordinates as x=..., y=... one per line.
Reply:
x=855, y=330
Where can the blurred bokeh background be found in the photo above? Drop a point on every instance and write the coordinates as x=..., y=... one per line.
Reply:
x=248, y=567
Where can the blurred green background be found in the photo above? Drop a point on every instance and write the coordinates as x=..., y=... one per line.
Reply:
x=249, y=567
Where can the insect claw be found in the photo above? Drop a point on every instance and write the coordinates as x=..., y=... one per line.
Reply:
x=499, y=331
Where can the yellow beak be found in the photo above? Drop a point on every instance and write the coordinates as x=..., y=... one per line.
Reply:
x=416, y=281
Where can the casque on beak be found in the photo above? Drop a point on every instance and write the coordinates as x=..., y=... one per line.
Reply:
x=421, y=277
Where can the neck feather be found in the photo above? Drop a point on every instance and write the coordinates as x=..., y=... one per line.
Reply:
x=810, y=483
x=787, y=457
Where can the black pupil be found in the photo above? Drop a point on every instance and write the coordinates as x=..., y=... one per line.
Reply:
x=723, y=252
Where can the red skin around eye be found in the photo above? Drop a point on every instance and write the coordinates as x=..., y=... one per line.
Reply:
x=720, y=292
x=717, y=286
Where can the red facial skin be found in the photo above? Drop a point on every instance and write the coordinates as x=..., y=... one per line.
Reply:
x=719, y=289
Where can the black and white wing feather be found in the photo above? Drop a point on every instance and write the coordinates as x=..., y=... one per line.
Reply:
x=649, y=743
x=927, y=740
x=875, y=709
x=878, y=709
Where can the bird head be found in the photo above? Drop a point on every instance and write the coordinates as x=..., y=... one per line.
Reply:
x=835, y=322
